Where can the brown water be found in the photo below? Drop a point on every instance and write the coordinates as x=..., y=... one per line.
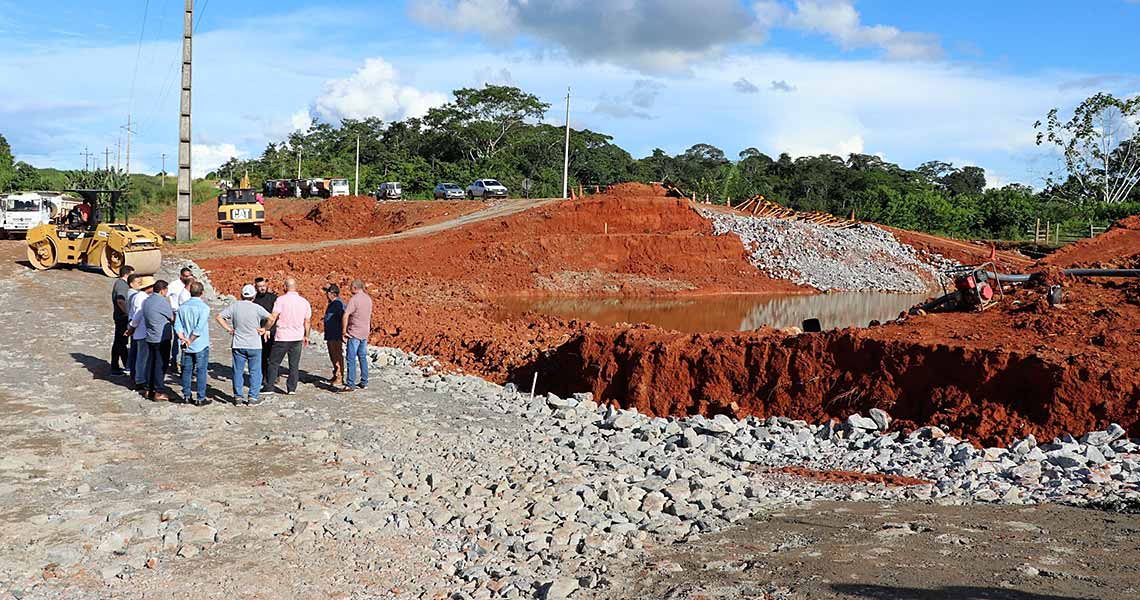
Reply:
x=724, y=313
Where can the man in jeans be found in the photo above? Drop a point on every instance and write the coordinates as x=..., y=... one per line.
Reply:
x=120, y=354
x=192, y=326
x=334, y=333
x=177, y=293
x=357, y=327
x=157, y=319
x=243, y=321
x=145, y=286
x=292, y=315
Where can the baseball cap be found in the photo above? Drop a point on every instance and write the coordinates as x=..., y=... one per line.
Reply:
x=248, y=291
x=332, y=287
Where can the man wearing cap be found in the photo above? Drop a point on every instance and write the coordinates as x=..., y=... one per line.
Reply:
x=243, y=320
x=334, y=332
x=144, y=285
x=292, y=315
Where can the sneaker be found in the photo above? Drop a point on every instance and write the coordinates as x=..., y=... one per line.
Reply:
x=253, y=402
x=267, y=392
x=347, y=388
x=290, y=392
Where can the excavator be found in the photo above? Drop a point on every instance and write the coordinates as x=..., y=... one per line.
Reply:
x=241, y=214
x=84, y=238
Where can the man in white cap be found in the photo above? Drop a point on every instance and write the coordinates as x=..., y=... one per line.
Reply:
x=243, y=320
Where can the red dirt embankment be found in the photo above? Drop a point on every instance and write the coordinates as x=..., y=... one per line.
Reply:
x=435, y=293
x=362, y=216
x=1117, y=248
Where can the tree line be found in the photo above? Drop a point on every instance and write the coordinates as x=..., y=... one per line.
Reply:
x=497, y=132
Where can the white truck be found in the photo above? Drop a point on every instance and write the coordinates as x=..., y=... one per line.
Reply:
x=21, y=211
x=338, y=187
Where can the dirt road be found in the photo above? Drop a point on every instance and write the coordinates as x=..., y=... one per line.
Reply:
x=494, y=211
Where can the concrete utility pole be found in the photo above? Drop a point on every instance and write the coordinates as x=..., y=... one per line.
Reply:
x=119, y=153
x=86, y=159
x=106, y=158
x=298, y=162
x=182, y=229
x=566, y=161
x=163, y=170
x=356, y=190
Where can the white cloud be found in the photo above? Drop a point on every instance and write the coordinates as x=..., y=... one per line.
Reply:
x=207, y=157
x=782, y=86
x=301, y=120
x=840, y=22
x=374, y=90
x=744, y=86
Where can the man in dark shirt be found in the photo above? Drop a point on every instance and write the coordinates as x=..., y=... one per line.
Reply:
x=334, y=331
x=119, y=349
x=265, y=299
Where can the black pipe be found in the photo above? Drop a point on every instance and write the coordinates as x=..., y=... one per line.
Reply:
x=1022, y=278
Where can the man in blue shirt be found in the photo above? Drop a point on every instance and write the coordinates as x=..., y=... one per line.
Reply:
x=192, y=327
x=334, y=331
x=157, y=317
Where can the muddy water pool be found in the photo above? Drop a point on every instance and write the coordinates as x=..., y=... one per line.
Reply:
x=722, y=313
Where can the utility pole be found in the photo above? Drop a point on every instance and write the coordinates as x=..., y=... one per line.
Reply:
x=163, y=170
x=129, y=132
x=356, y=191
x=119, y=153
x=86, y=159
x=182, y=229
x=298, y=162
x=566, y=160
x=106, y=158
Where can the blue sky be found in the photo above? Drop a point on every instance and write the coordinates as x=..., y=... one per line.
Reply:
x=910, y=81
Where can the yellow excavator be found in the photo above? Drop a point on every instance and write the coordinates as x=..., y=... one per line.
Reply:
x=83, y=238
x=240, y=213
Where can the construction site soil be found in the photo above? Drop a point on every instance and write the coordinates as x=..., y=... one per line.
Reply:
x=1015, y=369
x=310, y=220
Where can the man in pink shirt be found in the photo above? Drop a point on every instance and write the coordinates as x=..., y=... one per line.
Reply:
x=292, y=315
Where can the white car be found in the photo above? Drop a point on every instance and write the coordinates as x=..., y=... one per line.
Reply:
x=486, y=188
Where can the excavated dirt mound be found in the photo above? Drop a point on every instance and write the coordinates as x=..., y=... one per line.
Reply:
x=362, y=216
x=1117, y=248
x=1016, y=369
x=204, y=216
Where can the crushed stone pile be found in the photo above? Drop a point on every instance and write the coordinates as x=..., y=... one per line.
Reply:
x=863, y=258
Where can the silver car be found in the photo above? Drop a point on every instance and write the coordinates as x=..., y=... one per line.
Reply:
x=448, y=191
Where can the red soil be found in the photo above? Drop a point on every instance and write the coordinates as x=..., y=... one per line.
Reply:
x=1015, y=369
x=851, y=477
x=1119, y=248
x=362, y=216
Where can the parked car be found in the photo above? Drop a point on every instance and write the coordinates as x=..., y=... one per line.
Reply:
x=447, y=191
x=389, y=190
x=486, y=188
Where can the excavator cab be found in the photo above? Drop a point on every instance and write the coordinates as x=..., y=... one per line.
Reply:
x=240, y=213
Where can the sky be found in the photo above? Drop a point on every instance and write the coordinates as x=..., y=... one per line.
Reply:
x=908, y=81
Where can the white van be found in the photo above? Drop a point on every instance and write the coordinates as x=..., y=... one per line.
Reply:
x=21, y=211
x=390, y=190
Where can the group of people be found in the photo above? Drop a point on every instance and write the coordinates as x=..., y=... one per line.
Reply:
x=163, y=328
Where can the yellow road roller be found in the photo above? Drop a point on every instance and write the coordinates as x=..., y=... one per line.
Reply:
x=82, y=238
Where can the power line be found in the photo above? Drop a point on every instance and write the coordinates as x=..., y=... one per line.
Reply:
x=138, y=55
x=201, y=13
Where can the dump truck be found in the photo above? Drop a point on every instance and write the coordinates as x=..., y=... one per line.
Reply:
x=90, y=236
x=21, y=211
x=241, y=214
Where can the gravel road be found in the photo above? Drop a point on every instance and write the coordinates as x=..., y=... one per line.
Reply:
x=430, y=486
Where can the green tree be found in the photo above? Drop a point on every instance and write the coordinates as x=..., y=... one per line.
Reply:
x=7, y=166
x=1100, y=146
x=482, y=121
